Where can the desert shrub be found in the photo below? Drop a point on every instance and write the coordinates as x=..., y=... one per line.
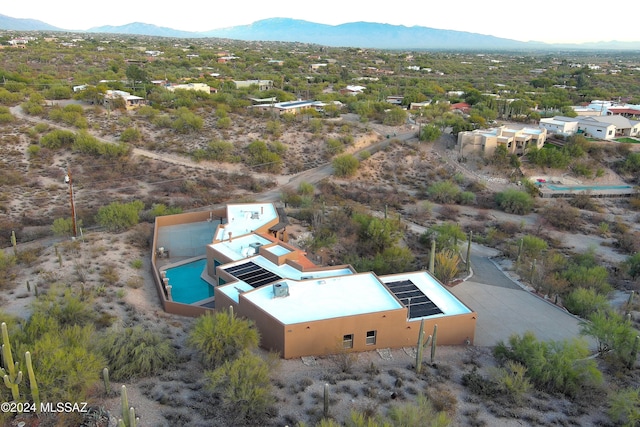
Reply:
x=615, y=336
x=446, y=265
x=222, y=336
x=6, y=116
x=444, y=191
x=628, y=242
x=429, y=133
x=58, y=138
x=553, y=366
x=186, y=121
x=64, y=226
x=66, y=307
x=632, y=266
x=131, y=135
x=119, y=216
x=532, y=246
x=562, y=216
x=88, y=144
x=136, y=352
x=447, y=235
x=244, y=387
x=584, y=301
x=588, y=276
x=511, y=381
x=467, y=198
x=624, y=407
x=334, y=146
x=261, y=158
x=480, y=385
x=419, y=414
x=345, y=165
x=67, y=368
x=585, y=201
x=514, y=201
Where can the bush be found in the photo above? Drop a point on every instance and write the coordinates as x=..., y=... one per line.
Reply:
x=446, y=265
x=58, y=138
x=514, y=201
x=419, y=414
x=244, y=386
x=136, y=352
x=345, y=165
x=624, y=407
x=119, y=216
x=131, y=135
x=632, y=265
x=532, y=246
x=615, y=336
x=583, y=302
x=221, y=337
x=552, y=366
x=186, y=121
x=562, y=216
x=443, y=192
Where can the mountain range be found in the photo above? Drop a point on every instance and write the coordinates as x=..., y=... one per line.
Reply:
x=355, y=34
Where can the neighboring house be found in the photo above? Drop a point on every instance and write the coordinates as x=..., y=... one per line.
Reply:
x=461, y=107
x=624, y=111
x=623, y=126
x=197, y=87
x=261, y=84
x=299, y=308
x=419, y=105
x=560, y=125
x=352, y=90
x=316, y=67
x=485, y=141
x=592, y=128
x=131, y=101
x=395, y=99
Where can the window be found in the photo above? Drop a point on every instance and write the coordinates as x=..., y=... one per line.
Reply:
x=347, y=341
x=371, y=338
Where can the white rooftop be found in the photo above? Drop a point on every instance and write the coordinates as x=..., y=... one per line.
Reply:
x=312, y=300
x=245, y=218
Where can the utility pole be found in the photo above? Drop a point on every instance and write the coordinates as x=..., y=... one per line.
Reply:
x=69, y=181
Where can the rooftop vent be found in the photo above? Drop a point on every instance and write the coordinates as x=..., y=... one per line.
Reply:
x=280, y=290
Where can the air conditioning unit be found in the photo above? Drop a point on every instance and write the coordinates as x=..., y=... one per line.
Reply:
x=256, y=246
x=280, y=290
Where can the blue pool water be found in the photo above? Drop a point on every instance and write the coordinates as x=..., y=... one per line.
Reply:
x=587, y=187
x=186, y=284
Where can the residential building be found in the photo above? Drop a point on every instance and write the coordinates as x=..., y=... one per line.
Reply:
x=197, y=87
x=301, y=309
x=352, y=90
x=601, y=127
x=560, y=125
x=131, y=101
x=485, y=141
x=261, y=84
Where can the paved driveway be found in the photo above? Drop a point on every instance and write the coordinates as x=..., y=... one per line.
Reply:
x=504, y=308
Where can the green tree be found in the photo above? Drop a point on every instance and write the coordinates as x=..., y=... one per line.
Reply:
x=632, y=264
x=345, y=165
x=395, y=116
x=222, y=337
x=119, y=216
x=613, y=333
x=429, y=133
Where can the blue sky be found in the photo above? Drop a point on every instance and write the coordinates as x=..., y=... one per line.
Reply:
x=544, y=20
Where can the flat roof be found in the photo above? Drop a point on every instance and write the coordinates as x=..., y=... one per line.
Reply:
x=240, y=247
x=245, y=218
x=318, y=299
x=447, y=303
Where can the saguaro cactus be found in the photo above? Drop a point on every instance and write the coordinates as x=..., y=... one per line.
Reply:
x=420, y=346
x=433, y=343
x=105, y=379
x=14, y=242
x=33, y=384
x=128, y=413
x=326, y=400
x=11, y=375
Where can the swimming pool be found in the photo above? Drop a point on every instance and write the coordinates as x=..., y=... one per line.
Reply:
x=587, y=187
x=187, y=286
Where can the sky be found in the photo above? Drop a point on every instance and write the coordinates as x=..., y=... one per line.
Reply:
x=542, y=20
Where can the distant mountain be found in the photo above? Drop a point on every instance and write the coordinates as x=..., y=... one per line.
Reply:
x=9, y=23
x=355, y=34
x=143, y=29
x=366, y=34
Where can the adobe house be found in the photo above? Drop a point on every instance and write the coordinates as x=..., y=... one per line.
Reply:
x=301, y=309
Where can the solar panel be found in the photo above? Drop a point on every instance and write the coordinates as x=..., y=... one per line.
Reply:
x=411, y=296
x=252, y=274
